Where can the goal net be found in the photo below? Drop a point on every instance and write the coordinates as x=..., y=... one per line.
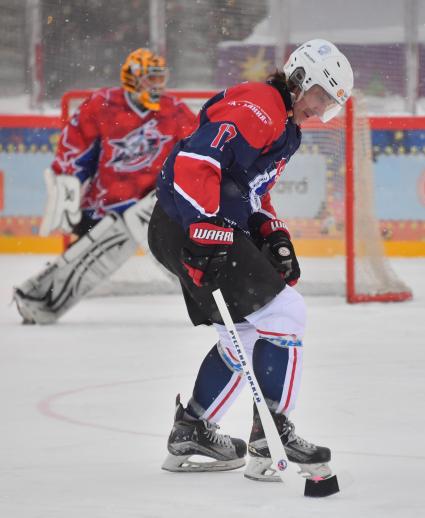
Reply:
x=325, y=195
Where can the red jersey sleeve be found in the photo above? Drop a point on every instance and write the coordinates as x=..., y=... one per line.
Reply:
x=79, y=144
x=266, y=205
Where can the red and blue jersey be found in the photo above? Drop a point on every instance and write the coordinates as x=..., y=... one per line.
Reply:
x=117, y=150
x=228, y=165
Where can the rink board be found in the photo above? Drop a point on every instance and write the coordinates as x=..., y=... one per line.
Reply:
x=27, y=145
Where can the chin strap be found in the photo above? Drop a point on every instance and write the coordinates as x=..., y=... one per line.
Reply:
x=297, y=97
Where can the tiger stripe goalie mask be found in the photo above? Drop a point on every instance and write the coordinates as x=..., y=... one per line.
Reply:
x=145, y=74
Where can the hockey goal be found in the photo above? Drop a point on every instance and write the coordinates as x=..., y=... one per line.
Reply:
x=326, y=196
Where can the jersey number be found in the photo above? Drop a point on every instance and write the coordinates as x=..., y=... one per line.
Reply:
x=225, y=133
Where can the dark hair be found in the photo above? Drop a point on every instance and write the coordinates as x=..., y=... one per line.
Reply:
x=277, y=78
x=283, y=86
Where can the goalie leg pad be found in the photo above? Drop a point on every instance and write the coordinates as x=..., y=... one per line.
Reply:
x=48, y=295
x=137, y=219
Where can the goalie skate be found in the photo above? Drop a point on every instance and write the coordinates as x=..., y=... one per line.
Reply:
x=312, y=460
x=198, y=437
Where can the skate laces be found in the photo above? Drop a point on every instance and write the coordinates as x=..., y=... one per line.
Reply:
x=216, y=438
x=289, y=431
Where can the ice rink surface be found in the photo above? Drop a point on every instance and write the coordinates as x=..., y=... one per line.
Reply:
x=87, y=404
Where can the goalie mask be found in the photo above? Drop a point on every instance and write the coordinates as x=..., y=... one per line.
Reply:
x=318, y=63
x=145, y=74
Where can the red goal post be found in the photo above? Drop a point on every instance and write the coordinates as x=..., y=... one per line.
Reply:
x=397, y=291
x=345, y=143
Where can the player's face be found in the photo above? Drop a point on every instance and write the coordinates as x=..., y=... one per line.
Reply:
x=314, y=103
x=155, y=80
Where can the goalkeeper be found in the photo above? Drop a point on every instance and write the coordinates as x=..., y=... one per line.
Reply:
x=101, y=183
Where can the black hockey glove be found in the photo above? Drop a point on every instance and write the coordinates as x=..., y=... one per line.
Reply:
x=273, y=238
x=205, y=252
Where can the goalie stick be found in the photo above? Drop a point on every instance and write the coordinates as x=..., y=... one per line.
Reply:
x=313, y=487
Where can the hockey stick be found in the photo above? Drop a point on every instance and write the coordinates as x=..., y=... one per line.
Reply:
x=277, y=451
x=313, y=487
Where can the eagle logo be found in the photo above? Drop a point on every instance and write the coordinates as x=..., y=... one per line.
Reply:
x=138, y=149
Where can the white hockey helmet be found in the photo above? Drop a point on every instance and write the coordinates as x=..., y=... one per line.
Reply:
x=319, y=62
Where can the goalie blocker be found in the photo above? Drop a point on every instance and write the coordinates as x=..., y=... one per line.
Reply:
x=45, y=297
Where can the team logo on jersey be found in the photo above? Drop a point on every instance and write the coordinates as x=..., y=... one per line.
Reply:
x=263, y=182
x=138, y=149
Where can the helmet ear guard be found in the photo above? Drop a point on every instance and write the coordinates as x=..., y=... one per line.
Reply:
x=145, y=74
x=297, y=77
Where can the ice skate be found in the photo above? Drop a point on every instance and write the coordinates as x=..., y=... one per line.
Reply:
x=312, y=460
x=199, y=437
x=32, y=306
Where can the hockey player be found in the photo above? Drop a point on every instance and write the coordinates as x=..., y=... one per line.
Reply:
x=214, y=226
x=108, y=158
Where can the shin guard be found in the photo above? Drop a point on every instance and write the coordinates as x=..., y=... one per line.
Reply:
x=277, y=363
x=218, y=383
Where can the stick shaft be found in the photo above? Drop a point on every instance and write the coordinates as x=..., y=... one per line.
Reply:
x=277, y=451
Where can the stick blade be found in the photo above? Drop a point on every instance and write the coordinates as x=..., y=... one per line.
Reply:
x=320, y=488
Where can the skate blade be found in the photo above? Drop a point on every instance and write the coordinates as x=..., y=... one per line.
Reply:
x=259, y=469
x=315, y=471
x=182, y=464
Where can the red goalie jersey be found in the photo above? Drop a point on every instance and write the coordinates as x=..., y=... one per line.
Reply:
x=117, y=150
